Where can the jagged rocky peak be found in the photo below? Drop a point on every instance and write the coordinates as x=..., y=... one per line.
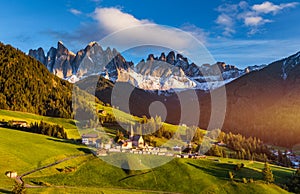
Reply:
x=91, y=44
x=63, y=59
x=225, y=67
x=115, y=52
x=156, y=72
x=93, y=59
x=38, y=54
x=62, y=50
x=171, y=58
x=151, y=57
x=94, y=46
x=180, y=57
x=162, y=57
x=51, y=55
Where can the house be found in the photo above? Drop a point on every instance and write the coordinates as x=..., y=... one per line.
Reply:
x=138, y=141
x=11, y=174
x=19, y=123
x=89, y=139
x=126, y=144
x=177, y=149
x=200, y=156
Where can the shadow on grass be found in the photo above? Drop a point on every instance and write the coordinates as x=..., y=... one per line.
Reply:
x=217, y=170
x=69, y=141
x=4, y=191
x=85, y=150
x=133, y=175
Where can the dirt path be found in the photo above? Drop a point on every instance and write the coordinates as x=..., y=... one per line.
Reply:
x=19, y=179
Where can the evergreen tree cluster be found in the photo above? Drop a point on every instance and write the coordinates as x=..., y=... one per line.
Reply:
x=42, y=128
x=26, y=85
x=294, y=182
x=246, y=148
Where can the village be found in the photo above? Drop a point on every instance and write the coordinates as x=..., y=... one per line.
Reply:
x=135, y=144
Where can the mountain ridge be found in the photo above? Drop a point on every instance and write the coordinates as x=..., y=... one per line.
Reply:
x=94, y=60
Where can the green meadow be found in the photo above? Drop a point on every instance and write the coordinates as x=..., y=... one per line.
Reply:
x=68, y=124
x=22, y=152
x=179, y=175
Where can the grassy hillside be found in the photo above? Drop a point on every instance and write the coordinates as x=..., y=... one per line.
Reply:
x=28, y=151
x=180, y=175
x=21, y=152
x=262, y=104
x=68, y=124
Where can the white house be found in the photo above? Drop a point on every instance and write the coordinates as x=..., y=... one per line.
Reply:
x=89, y=139
x=11, y=174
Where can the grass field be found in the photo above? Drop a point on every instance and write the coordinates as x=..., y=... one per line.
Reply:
x=27, y=151
x=179, y=175
x=68, y=124
x=22, y=151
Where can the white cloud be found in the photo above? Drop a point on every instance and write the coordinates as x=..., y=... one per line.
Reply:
x=117, y=29
x=251, y=16
x=269, y=7
x=113, y=19
x=255, y=21
x=225, y=20
x=227, y=23
x=124, y=31
x=75, y=11
x=195, y=31
x=228, y=8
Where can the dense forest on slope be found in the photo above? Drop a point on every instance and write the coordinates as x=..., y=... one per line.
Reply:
x=26, y=85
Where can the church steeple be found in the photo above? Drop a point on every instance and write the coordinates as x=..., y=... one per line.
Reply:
x=131, y=133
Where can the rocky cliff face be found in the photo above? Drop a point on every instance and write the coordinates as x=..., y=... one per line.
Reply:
x=89, y=61
x=171, y=71
x=175, y=72
x=38, y=54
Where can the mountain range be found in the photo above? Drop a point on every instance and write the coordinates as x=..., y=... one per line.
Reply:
x=263, y=103
x=166, y=72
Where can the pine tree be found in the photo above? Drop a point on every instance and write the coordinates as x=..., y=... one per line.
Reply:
x=19, y=188
x=267, y=173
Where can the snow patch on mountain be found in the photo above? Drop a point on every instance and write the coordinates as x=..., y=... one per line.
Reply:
x=289, y=64
x=171, y=72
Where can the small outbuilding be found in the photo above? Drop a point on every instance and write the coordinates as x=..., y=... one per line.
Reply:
x=11, y=174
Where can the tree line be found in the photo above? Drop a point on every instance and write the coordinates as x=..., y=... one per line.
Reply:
x=42, y=128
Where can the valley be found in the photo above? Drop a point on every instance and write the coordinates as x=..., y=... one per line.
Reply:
x=231, y=159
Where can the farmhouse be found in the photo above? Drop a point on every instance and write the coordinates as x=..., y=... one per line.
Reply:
x=11, y=174
x=127, y=144
x=89, y=139
x=19, y=123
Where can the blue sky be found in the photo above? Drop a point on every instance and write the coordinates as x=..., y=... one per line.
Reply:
x=240, y=33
